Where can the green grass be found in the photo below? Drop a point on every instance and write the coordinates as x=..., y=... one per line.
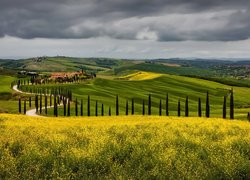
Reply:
x=105, y=90
x=132, y=147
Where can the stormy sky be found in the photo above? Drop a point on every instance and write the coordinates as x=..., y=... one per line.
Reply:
x=125, y=28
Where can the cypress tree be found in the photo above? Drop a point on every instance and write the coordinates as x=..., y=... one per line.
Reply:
x=232, y=105
x=76, y=108
x=132, y=107
x=88, y=107
x=68, y=106
x=199, y=107
x=127, y=107
x=96, y=108
x=24, y=107
x=224, y=113
x=149, y=104
x=19, y=106
x=167, y=110
x=186, y=107
x=41, y=104
x=81, y=107
x=248, y=116
x=64, y=106
x=179, y=108
x=46, y=104
x=160, y=108
x=143, y=107
x=30, y=102
x=117, y=105
x=102, y=110
x=109, y=111
x=36, y=103
x=207, y=106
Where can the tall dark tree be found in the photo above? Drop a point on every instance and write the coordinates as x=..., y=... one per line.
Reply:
x=96, y=108
x=46, y=104
x=207, y=106
x=41, y=103
x=68, y=107
x=149, y=104
x=19, y=106
x=126, y=108
x=64, y=106
x=167, y=108
x=179, y=108
x=117, y=105
x=160, y=108
x=30, y=102
x=143, y=107
x=24, y=107
x=102, y=110
x=248, y=116
x=224, y=113
x=109, y=111
x=81, y=107
x=186, y=107
x=132, y=107
x=199, y=108
x=36, y=103
x=232, y=105
x=88, y=106
x=76, y=108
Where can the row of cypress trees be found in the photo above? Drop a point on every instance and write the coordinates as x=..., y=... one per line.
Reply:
x=66, y=102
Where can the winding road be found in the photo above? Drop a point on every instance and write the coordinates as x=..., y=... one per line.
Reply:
x=31, y=112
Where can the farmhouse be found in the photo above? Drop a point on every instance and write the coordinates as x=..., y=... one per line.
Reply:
x=66, y=74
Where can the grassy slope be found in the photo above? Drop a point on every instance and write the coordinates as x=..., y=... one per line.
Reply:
x=125, y=147
x=7, y=104
x=105, y=90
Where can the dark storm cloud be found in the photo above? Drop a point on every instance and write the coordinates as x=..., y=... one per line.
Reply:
x=163, y=20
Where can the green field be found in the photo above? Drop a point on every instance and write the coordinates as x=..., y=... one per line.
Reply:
x=132, y=147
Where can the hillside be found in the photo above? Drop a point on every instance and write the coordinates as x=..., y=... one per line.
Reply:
x=127, y=147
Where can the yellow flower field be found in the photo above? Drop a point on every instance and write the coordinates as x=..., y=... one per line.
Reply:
x=124, y=147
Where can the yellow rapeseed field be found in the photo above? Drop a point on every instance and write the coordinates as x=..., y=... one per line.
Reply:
x=124, y=147
x=141, y=75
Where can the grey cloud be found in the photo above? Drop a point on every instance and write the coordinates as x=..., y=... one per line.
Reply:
x=163, y=20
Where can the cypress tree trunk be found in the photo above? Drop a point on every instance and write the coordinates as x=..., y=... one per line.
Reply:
x=19, y=106
x=127, y=107
x=207, y=106
x=117, y=105
x=109, y=111
x=76, y=108
x=81, y=107
x=132, y=107
x=167, y=110
x=179, y=108
x=143, y=107
x=232, y=105
x=199, y=108
x=88, y=107
x=36, y=103
x=149, y=104
x=248, y=116
x=160, y=108
x=64, y=106
x=224, y=113
x=24, y=107
x=46, y=104
x=102, y=110
x=56, y=109
x=41, y=104
x=96, y=108
x=186, y=107
x=30, y=102
x=68, y=106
